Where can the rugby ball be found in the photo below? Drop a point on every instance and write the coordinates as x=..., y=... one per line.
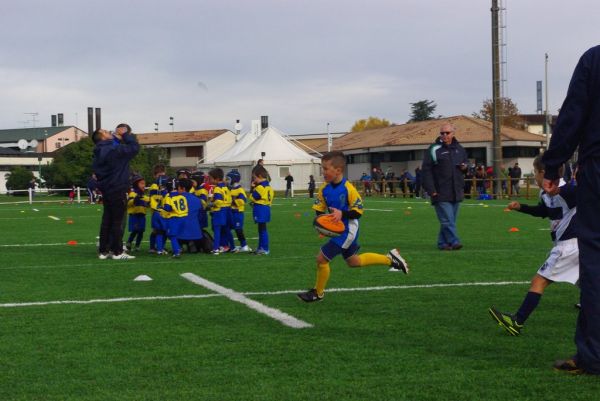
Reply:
x=325, y=225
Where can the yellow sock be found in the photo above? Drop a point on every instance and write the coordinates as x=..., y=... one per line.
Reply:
x=367, y=259
x=322, y=277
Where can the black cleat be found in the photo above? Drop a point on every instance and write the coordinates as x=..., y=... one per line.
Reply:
x=310, y=296
x=398, y=262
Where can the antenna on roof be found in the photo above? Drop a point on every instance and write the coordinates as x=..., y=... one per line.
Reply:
x=33, y=117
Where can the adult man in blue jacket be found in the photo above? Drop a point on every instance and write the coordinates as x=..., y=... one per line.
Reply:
x=444, y=165
x=112, y=154
x=578, y=124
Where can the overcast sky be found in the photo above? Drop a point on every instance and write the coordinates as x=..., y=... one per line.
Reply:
x=301, y=62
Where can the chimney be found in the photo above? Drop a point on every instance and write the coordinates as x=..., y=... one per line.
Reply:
x=90, y=121
x=98, y=118
x=53, y=120
x=60, y=119
x=264, y=122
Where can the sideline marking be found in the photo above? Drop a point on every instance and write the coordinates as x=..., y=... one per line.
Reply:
x=54, y=217
x=379, y=210
x=53, y=244
x=283, y=292
x=273, y=313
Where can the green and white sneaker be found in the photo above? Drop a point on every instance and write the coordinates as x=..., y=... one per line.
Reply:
x=507, y=321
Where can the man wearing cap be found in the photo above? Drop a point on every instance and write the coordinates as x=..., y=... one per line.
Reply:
x=112, y=154
x=578, y=125
x=443, y=169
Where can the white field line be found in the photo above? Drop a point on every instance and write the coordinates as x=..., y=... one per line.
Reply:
x=283, y=292
x=379, y=210
x=273, y=313
x=53, y=244
x=54, y=217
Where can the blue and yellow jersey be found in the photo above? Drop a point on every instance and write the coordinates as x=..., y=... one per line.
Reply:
x=262, y=194
x=221, y=197
x=155, y=195
x=238, y=199
x=175, y=205
x=202, y=192
x=137, y=202
x=345, y=197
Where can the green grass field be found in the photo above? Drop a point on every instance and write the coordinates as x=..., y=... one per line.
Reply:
x=387, y=336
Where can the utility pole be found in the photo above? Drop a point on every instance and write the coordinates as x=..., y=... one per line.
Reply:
x=546, y=116
x=329, y=139
x=497, y=140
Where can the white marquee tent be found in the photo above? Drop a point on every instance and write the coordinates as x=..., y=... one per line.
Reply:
x=279, y=156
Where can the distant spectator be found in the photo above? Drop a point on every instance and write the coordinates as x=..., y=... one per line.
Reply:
x=92, y=185
x=288, y=185
x=366, y=181
x=515, y=178
x=311, y=186
x=418, y=182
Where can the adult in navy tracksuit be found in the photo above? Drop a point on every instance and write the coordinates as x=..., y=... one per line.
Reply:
x=578, y=124
x=111, y=166
x=444, y=165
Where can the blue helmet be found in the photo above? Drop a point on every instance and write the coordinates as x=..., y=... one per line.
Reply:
x=234, y=176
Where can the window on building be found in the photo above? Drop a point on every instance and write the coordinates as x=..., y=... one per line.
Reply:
x=194, y=151
x=284, y=171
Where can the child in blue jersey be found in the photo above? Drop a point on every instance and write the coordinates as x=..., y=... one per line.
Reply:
x=137, y=202
x=338, y=197
x=190, y=233
x=238, y=203
x=156, y=193
x=219, y=206
x=562, y=264
x=175, y=210
x=262, y=197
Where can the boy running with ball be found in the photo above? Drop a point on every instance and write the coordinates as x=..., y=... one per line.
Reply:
x=340, y=198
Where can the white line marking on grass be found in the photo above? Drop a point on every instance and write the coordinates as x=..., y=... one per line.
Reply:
x=379, y=210
x=283, y=292
x=54, y=244
x=273, y=313
x=106, y=300
x=54, y=217
x=35, y=210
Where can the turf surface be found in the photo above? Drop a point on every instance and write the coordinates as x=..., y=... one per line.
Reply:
x=413, y=340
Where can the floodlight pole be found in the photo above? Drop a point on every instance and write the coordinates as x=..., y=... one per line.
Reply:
x=496, y=101
x=329, y=139
x=546, y=117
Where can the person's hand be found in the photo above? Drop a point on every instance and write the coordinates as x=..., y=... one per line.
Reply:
x=514, y=205
x=336, y=214
x=550, y=186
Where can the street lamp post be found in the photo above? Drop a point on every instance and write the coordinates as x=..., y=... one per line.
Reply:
x=156, y=127
x=172, y=124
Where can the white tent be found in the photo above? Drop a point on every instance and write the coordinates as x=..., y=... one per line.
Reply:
x=280, y=156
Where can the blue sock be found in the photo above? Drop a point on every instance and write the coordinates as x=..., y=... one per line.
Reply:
x=160, y=242
x=263, y=238
x=153, y=240
x=139, y=238
x=531, y=301
x=216, y=237
x=175, y=245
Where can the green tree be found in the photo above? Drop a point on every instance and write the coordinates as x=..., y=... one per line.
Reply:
x=72, y=164
x=422, y=110
x=370, y=123
x=18, y=178
x=509, y=113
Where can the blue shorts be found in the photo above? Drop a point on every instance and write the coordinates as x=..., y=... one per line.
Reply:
x=175, y=225
x=330, y=250
x=158, y=222
x=137, y=222
x=237, y=220
x=218, y=218
x=261, y=213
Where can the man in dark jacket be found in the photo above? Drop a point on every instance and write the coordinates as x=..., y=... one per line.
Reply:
x=578, y=125
x=112, y=154
x=443, y=169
